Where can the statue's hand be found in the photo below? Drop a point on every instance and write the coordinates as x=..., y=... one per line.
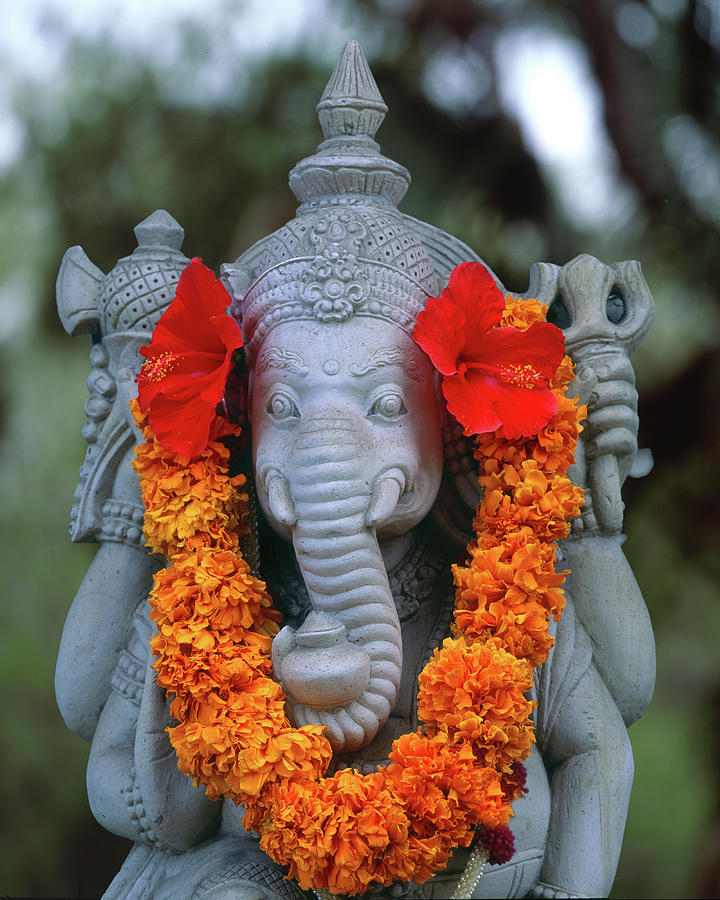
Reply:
x=612, y=424
x=178, y=814
x=609, y=439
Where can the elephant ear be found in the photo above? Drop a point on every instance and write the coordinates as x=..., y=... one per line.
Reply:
x=237, y=278
x=239, y=275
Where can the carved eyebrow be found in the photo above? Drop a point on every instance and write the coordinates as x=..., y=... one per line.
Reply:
x=387, y=356
x=279, y=358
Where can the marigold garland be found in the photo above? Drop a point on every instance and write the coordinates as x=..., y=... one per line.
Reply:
x=215, y=621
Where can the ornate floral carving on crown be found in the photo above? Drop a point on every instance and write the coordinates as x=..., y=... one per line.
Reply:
x=334, y=230
x=329, y=290
x=341, y=265
x=335, y=283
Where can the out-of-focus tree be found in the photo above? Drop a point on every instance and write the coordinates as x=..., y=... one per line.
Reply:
x=120, y=132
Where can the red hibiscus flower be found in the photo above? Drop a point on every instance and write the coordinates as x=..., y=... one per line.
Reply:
x=188, y=362
x=493, y=376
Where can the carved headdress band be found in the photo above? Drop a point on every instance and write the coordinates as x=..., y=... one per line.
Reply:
x=333, y=285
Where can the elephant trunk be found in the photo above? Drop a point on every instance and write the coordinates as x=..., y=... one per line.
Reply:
x=342, y=667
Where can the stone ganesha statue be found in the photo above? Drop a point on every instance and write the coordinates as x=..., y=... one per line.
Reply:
x=363, y=496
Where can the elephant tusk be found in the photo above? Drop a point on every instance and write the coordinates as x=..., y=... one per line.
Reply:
x=281, y=503
x=385, y=496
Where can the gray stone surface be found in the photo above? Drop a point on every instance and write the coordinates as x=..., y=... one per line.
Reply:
x=355, y=468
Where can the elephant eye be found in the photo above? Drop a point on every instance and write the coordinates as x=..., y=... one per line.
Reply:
x=389, y=405
x=281, y=406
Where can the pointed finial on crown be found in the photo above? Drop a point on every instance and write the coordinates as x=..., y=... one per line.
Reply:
x=351, y=103
x=160, y=229
x=348, y=166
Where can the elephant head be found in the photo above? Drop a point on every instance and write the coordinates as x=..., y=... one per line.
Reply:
x=344, y=407
x=347, y=450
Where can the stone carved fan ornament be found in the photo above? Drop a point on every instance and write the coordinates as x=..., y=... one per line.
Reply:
x=452, y=783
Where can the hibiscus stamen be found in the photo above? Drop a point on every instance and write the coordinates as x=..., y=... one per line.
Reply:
x=521, y=375
x=159, y=367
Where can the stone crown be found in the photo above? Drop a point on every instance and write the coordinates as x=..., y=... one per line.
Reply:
x=136, y=292
x=349, y=251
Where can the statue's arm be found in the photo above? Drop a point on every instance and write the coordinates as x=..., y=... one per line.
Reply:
x=98, y=624
x=590, y=765
x=613, y=611
x=606, y=595
x=609, y=310
x=587, y=753
x=134, y=785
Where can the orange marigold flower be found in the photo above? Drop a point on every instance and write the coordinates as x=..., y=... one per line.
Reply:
x=343, y=835
x=210, y=588
x=444, y=782
x=556, y=443
x=184, y=498
x=527, y=496
x=518, y=567
x=521, y=629
x=508, y=591
x=235, y=748
x=199, y=674
x=521, y=314
x=476, y=694
x=564, y=377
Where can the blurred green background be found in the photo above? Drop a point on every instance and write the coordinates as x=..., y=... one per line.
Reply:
x=533, y=131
